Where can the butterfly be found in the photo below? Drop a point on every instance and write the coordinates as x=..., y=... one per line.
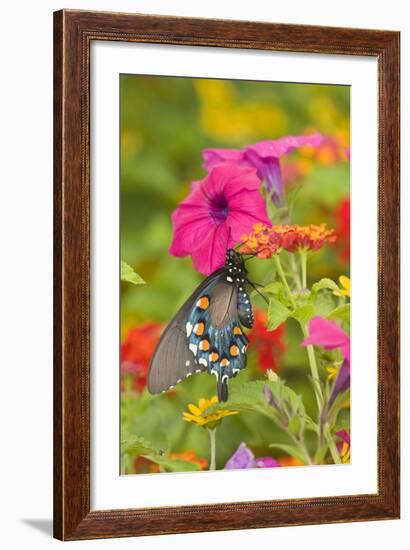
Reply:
x=206, y=334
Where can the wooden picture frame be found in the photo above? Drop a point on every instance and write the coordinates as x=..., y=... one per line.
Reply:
x=74, y=32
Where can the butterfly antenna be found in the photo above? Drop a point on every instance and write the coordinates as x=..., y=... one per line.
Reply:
x=255, y=255
x=253, y=285
x=229, y=237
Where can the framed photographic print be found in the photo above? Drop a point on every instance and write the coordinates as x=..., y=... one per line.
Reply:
x=226, y=275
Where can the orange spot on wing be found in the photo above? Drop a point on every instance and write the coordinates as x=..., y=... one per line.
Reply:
x=224, y=362
x=213, y=357
x=203, y=302
x=237, y=331
x=234, y=350
x=204, y=345
x=199, y=329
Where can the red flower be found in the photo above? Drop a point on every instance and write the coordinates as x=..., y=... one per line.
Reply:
x=343, y=229
x=136, y=351
x=269, y=345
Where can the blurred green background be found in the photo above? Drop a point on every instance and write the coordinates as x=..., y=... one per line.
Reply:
x=165, y=124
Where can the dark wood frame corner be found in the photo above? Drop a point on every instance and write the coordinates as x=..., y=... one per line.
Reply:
x=73, y=34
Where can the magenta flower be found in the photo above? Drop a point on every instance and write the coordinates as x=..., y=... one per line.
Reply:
x=329, y=335
x=217, y=212
x=244, y=458
x=264, y=156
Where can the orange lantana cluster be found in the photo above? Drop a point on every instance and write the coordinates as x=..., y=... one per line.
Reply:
x=265, y=241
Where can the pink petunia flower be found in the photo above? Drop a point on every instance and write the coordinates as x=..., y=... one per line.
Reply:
x=329, y=335
x=264, y=156
x=216, y=213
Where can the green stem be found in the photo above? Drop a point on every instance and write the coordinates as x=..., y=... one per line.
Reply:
x=212, y=439
x=283, y=279
x=303, y=261
x=313, y=370
x=302, y=446
x=295, y=271
x=332, y=446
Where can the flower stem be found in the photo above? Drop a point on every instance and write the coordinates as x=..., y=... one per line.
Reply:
x=283, y=279
x=295, y=271
x=303, y=449
x=212, y=438
x=332, y=446
x=303, y=261
x=313, y=370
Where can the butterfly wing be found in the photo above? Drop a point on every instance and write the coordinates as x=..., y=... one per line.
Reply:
x=172, y=360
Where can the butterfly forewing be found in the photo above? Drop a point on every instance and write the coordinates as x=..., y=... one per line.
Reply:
x=172, y=360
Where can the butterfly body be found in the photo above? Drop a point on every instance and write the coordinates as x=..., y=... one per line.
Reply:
x=206, y=334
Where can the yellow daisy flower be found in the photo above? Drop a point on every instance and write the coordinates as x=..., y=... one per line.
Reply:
x=197, y=413
x=345, y=284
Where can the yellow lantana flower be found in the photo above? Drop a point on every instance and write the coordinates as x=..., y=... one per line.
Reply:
x=198, y=416
x=345, y=284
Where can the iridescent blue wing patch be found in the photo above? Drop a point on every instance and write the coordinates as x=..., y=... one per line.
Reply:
x=214, y=333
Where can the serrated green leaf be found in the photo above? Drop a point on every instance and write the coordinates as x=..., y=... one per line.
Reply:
x=342, y=313
x=303, y=313
x=291, y=450
x=129, y=275
x=324, y=302
x=274, y=288
x=324, y=284
x=277, y=313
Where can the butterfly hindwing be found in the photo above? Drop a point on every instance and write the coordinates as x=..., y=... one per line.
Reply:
x=214, y=334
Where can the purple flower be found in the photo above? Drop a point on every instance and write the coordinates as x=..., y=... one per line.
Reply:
x=264, y=156
x=244, y=458
x=342, y=381
x=217, y=212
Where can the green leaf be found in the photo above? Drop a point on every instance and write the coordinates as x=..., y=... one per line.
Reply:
x=324, y=303
x=342, y=313
x=303, y=313
x=291, y=450
x=250, y=397
x=173, y=464
x=128, y=275
x=136, y=445
x=324, y=283
x=295, y=425
x=277, y=313
x=275, y=288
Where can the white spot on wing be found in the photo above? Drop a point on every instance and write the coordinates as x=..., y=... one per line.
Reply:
x=193, y=348
x=188, y=329
x=229, y=279
x=203, y=361
x=187, y=363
